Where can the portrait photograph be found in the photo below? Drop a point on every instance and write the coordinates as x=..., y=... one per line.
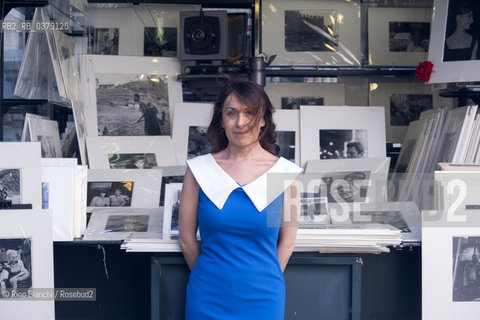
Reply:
x=346, y=186
x=462, y=30
x=10, y=186
x=466, y=269
x=311, y=30
x=285, y=145
x=105, y=41
x=127, y=223
x=295, y=102
x=405, y=108
x=160, y=42
x=16, y=263
x=132, y=105
x=109, y=193
x=132, y=160
x=342, y=144
x=408, y=36
x=198, y=143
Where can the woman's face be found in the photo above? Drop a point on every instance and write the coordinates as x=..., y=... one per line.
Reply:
x=238, y=120
x=465, y=20
x=139, y=163
x=13, y=257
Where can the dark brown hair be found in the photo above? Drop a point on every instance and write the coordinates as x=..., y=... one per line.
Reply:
x=249, y=94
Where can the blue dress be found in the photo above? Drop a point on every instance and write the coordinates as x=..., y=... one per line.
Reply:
x=237, y=275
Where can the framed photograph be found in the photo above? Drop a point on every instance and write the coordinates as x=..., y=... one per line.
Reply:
x=402, y=216
x=450, y=286
x=171, y=210
x=287, y=124
x=123, y=188
x=135, y=99
x=143, y=29
x=454, y=46
x=160, y=41
x=292, y=95
x=46, y=132
x=352, y=180
x=26, y=261
x=105, y=152
x=189, y=129
x=403, y=102
x=341, y=132
x=124, y=223
x=105, y=41
x=172, y=174
x=20, y=179
x=312, y=32
x=398, y=36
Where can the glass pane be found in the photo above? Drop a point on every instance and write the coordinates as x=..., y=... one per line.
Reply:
x=14, y=118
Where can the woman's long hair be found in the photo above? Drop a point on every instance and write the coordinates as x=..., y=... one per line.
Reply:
x=249, y=94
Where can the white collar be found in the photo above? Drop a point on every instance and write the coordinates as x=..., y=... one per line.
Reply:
x=218, y=185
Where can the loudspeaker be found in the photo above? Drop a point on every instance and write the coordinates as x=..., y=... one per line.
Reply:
x=204, y=35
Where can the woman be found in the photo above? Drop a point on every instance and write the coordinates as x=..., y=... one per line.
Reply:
x=16, y=270
x=246, y=241
x=461, y=45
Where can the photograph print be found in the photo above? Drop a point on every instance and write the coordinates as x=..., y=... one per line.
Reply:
x=408, y=36
x=462, y=31
x=105, y=41
x=127, y=223
x=15, y=263
x=405, y=108
x=50, y=149
x=132, y=160
x=285, y=145
x=313, y=210
x=198, y=143
x=392, y=218
x=10, y=186
x=160, y=42
x=351, y=186
x=294, y=103
x=342, y=144
x=311, y=31
x=132, y=105
x=466, y=269
x=165, y=181
x=109, y=193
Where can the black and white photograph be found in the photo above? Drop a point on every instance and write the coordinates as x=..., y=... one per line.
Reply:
x=342, y=144
x=15, y=263
x=105, y=41
x=285, y=145
x=392, y=218
x=49, y=149
x=462, y=29
x=132, y=160
x=109, y=193
x=313, y=210
x=132, y=105
x=405, y=108
x=311, y=30
x=170, y=211
x=10, y=186
x=346, y=186
x=466, y=269
x=408, y=36
x=198, y=143
x=294, y=103
x=127, y=223
x=160, y=42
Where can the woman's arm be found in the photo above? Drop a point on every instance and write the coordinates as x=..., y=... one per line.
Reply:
x=187, y=220
x=474, y=51
x=289, y=225
x=24, y=274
